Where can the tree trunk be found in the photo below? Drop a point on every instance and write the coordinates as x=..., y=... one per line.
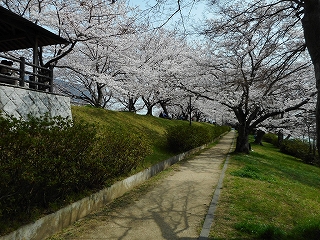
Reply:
x=148, y=105
x=280, y=138
x=258, y=139
x=243, y=145
x=99, y=95
x=311, y=28
x=314, y=146
x=149, y=110
x=198, y=116
x=164, y=107
x=131, y=106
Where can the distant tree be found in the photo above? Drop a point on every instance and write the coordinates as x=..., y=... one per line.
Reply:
x=156, y=55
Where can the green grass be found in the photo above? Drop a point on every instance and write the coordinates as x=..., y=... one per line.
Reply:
x=268, y=195
x=153, y=127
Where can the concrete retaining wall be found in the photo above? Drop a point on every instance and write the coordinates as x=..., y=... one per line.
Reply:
x=20, y=101
x=55, y=222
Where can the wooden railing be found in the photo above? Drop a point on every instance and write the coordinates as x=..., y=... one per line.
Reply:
x=26, y=74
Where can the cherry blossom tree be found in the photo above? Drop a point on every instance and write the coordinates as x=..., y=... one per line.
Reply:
x=261, y=70
x=303, y=16
x=156, y=53
x=37, y=11
x=98, y=31
x=96, y=62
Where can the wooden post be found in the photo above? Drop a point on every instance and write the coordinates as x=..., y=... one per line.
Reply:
x=51, y=78
x=35, y=61
x=22, y=71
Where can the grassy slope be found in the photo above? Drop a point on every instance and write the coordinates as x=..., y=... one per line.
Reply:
x=268, y=195
x=153, y=127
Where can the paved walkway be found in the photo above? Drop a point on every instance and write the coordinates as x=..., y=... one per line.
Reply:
x=174, y=209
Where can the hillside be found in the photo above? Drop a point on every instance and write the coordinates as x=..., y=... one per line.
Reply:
x=154, y=128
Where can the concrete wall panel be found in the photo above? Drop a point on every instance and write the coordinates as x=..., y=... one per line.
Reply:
x=19, y=102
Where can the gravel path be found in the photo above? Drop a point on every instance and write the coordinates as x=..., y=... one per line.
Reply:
x=174, y=209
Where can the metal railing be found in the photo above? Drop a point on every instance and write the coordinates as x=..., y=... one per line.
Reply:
x=26, y=74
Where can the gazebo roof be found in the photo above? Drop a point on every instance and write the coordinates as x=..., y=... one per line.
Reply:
x=17, y=32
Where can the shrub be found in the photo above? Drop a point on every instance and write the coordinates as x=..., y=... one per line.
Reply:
x=271, y=138
x=39, y=161
x=44, y=161
x=297, y=148
x=121, y=151
x=184, y=137
x=293, y=147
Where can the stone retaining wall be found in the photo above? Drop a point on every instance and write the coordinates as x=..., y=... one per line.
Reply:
x=19, y=102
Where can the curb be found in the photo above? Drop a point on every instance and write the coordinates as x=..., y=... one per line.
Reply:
x=204, y=235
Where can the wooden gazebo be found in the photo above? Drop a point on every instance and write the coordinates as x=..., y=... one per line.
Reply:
x=20, y=33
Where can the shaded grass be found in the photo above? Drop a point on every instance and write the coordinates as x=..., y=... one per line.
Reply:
x=268, y=195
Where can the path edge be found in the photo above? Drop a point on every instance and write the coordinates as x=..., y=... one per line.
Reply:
x=206, y=227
